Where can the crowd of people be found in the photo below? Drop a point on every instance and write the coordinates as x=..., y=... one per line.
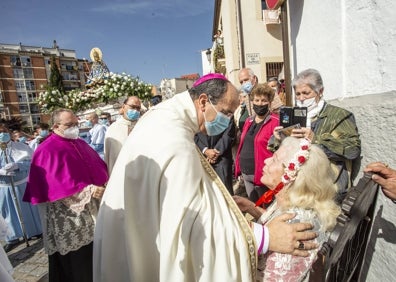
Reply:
x=150, y=196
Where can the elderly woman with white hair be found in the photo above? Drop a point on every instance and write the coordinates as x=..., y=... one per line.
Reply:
x=300, y=178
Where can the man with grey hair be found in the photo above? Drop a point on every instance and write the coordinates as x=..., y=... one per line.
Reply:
x=248, y=80
x=66, y=181
x=166, y=215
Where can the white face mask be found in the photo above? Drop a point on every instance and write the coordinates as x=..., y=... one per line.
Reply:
x=310, y=103
x=71, y=133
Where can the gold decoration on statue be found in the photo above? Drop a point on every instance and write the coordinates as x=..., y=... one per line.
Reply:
x=98, y=69
x=96, y=54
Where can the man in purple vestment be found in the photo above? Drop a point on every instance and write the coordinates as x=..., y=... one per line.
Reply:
x=67, y=179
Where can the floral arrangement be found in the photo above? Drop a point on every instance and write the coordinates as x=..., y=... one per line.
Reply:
x=297, y=161
x=113, y=88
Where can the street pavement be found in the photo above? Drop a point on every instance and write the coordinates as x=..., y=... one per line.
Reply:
x=30, y=263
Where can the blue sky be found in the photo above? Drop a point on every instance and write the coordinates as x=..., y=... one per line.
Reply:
x=152, y=39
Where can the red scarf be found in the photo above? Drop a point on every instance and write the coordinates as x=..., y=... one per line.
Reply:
x=268, y=196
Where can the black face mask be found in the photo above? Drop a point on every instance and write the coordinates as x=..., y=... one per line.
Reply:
x=260, y=110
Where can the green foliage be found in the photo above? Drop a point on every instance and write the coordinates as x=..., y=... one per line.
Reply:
x=219, y=54
x=55, y=81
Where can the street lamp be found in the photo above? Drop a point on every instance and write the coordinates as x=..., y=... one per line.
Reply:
x=209, y=55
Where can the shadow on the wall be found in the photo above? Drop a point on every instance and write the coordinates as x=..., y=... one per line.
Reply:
x=381, y=228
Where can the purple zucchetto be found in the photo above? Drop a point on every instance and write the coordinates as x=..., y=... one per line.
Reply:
x=209, y=77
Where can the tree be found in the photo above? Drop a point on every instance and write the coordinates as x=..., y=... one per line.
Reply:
x=55, y=81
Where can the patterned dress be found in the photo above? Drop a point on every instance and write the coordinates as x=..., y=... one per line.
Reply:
x=279, y=267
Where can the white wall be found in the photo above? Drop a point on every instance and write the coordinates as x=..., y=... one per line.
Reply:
x=371, y=48
x=206, y=65
x=351, y=42
x=376, y=120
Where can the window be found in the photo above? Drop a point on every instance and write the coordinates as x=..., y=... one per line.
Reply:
x=15, y=61
x=28, y=73
x=23, y=108
x=273, y=69
x=34, y=109
x=33, y=97
x=22, y=97
x=36, y=119
x=18, y=73
x=25, y=61
x=30, y=85
x=20, y=85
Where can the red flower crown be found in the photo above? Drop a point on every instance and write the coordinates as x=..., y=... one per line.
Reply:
x=300, y=157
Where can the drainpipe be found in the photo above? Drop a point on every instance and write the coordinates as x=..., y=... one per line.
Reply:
x=286, y=54
x=241, y=41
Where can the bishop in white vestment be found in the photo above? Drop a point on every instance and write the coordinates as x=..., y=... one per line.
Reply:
x=165, y=215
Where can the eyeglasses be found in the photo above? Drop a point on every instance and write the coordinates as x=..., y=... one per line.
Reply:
x=69, y=124
x=242, y=81
x=103, y=118
x=134, y=107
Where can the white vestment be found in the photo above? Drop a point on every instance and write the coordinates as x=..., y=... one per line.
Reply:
x=116, y=134
x=6, y=268
x=165, y=216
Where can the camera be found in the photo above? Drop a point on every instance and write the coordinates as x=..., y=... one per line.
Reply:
x=289, y=116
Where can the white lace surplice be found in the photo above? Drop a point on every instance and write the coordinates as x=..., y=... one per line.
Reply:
x=69, y=224
x=285, y=267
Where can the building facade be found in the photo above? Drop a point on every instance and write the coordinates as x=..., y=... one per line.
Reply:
x=25, y=70
x=246, y=35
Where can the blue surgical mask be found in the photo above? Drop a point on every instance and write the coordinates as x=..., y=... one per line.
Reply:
x=44, y=133
x=247, y=87
x=218, y=125
x=4, y=137
x=88, y=124
x=103, y=121
x=133, y=114
x=22, y=139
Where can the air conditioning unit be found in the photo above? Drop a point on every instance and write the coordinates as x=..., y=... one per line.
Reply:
x=271, y=16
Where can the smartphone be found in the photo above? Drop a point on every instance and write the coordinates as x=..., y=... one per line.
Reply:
x=286, y=116
x=300, y=116
x=289, y=116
